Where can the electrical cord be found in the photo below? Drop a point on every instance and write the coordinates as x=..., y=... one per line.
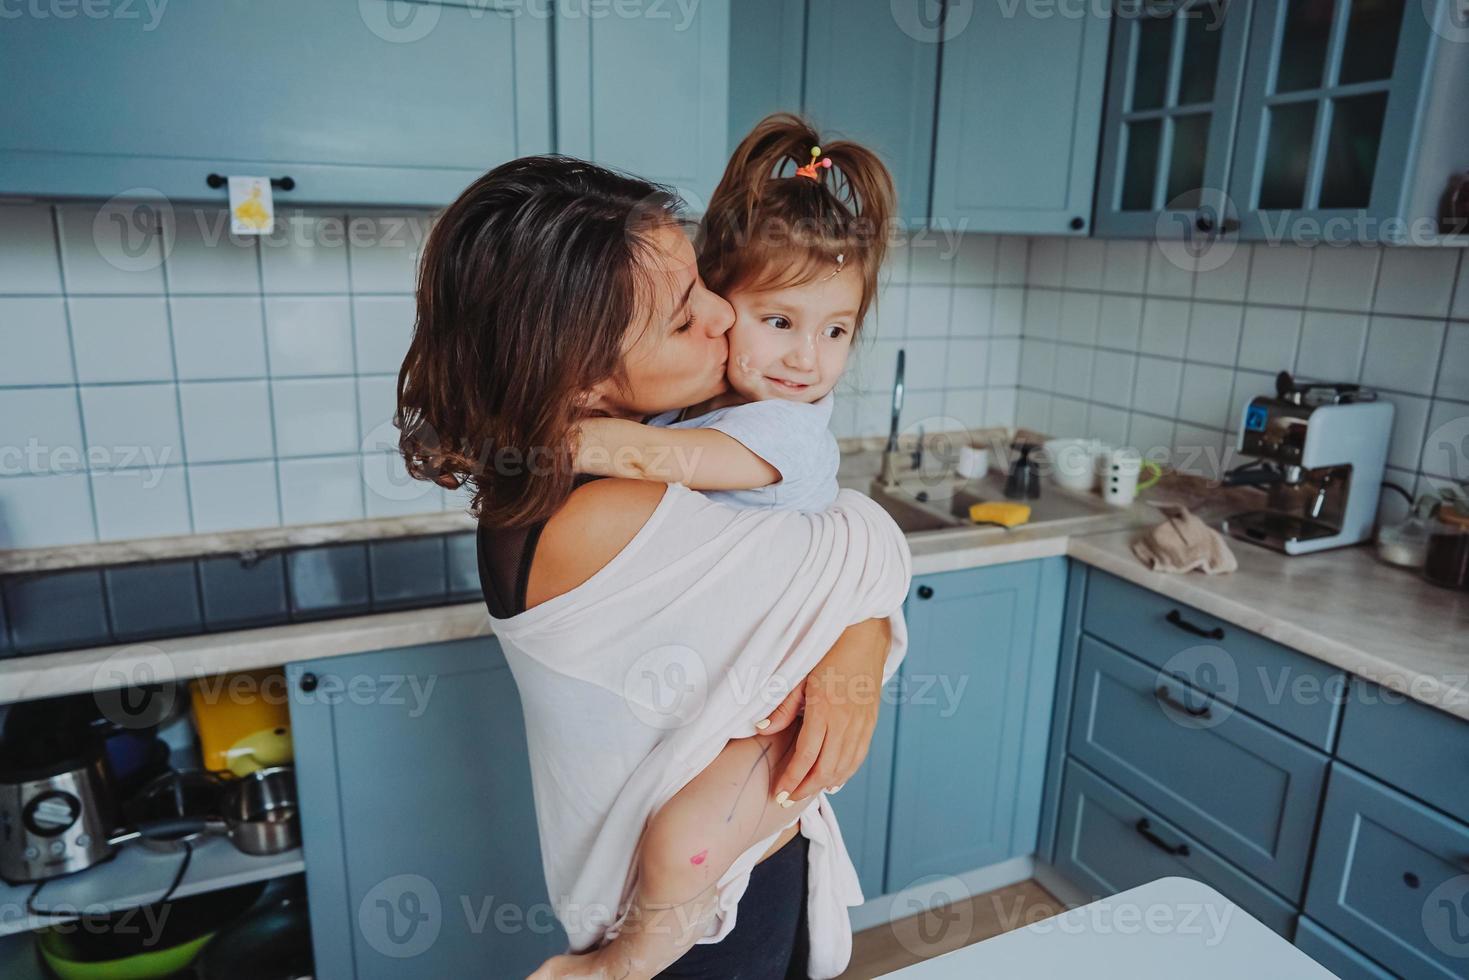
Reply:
x=178, y=878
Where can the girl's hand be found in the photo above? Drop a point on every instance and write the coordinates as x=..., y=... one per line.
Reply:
x=840, y=700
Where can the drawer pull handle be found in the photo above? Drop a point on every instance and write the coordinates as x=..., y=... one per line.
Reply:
x=1411, y=880
x=1176, y=618
x=1166, y=697
x=1144, y=827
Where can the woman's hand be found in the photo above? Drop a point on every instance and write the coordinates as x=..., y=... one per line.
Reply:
x=840, y=698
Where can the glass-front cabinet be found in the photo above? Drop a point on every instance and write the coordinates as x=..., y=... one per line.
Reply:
x=1331, y=116
x=1284, y=120
x=1171, y=101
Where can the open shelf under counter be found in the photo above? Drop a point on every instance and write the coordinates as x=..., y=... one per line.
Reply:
x=137, y=876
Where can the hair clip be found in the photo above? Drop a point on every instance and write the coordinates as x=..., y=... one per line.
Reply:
x=840, y=257
x=809, y=170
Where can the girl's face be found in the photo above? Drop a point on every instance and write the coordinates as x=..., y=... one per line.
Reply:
x=676, y=356
x=793, y=342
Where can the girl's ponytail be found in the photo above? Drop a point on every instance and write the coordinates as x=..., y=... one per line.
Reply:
x=763, y=209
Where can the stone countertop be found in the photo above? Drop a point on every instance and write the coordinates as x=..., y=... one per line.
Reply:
x=1343, y=607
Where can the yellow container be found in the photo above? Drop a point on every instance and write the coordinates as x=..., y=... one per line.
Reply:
x=244, y=721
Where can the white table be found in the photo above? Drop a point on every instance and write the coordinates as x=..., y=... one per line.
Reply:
x=1168, y=929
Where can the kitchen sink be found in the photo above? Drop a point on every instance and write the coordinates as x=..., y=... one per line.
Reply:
x=925, y=508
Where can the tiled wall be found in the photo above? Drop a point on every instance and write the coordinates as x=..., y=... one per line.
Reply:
x=1122, y=344
x=159, y=377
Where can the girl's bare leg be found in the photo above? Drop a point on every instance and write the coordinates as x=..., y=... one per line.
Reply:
x=686, y=847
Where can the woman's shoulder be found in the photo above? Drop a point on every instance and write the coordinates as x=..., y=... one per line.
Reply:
x=591, y=528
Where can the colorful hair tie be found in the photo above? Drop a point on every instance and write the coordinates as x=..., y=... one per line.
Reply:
x=809, y=170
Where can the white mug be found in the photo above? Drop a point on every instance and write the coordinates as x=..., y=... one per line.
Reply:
x=1120, y=469
x=1071, y=462
x=974, y=462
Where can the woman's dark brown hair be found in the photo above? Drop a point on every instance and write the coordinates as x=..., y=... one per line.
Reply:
x=528, y=286
x=767, y=228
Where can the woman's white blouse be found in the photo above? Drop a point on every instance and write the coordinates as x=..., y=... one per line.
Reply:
x=633, y=682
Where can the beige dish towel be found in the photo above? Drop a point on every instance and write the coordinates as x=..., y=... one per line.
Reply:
x=1183, y=543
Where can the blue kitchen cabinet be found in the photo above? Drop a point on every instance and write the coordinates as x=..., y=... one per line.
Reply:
x=1393, y=875
x=1349, y=119
x=1019, y=117
x=418, y=822
x=372, y=101
x=973, y=718
x=862, y=804
x=646, y=90
x=872, y=76
x=861, y=71
x=1172, y=94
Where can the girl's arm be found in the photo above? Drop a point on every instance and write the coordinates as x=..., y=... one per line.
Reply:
x=700, y=459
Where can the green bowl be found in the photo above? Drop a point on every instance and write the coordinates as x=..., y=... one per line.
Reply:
x=140, y=966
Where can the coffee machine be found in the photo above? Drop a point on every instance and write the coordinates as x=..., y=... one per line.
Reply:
x=1319, y=454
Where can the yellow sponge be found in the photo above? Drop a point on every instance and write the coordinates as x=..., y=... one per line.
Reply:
x=999, y=512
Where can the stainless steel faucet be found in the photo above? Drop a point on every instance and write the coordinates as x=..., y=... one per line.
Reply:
x=888, y=474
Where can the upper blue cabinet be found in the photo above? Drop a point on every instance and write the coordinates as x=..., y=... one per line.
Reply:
x=643, y=87
x=1019, y=115
x=374, y=101
x=1283, y=120
x=863, y=71
x=1171, y=98
x=872, y=76
x=1351, y=119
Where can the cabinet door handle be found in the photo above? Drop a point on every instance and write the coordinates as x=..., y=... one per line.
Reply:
x=925, y=592
x=1166, y=697
x=1176, y=618
x=1144, y=827
x=216, y=181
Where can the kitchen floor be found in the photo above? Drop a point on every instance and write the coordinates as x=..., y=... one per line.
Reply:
x=883, y=949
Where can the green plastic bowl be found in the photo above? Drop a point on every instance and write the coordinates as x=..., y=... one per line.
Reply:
x=140, y=966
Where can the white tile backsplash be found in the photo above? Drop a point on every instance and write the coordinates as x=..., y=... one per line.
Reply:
x=121, y=338
x=1208, y=341
x=308, y=335
x=34, y=337
x=1332, y=346
x=226, y=420
x=28, y=260
x=288, y=347
x=218, y=337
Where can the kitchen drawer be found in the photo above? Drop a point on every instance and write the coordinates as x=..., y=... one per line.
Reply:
x=1290, y=690
x=1418, y=749
x=1335, y=955
x=1103, y=845
x=1394, y=875
x=1232, y=783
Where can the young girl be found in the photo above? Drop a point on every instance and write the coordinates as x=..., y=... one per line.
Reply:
x=797, y=255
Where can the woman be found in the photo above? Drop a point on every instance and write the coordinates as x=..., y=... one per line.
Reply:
x=552, y=290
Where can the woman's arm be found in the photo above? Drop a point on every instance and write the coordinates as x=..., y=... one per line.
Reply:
x=700, y=459
x=840, y=698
